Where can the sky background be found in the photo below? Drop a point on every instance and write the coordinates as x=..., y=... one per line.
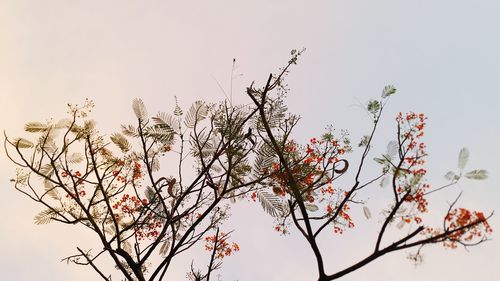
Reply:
x=441, y=55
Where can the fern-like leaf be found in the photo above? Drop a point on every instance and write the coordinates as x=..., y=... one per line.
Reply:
x=161, y=133
x=130, y=131
x=197, y=112
x=177, y=110
x=264, y=159
x=49, y=146
x=45, y=216
x=36, y=127
x=477, y=175
x=63, y=123
x=271, y=203
x=121, y=142
x=139, y=109
x=74, y=158
x=128, y=247
x=23, y=143
x=155, y=164
x=164, y=247
x=89, y=125
x=276, y=114
x=47, y=170
x=51, y=190
x=163, y=118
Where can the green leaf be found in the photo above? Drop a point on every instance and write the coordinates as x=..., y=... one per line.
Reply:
x=388, y=91
x=463, y=157
x=150, y=194
x=373, y=107
x=477, y=175
x=364, y=141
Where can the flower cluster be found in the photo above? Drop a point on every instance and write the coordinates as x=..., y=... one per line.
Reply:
x=121, y=173
x=344, y=221
x=412, y=125
x=313, y=167
x=458, y=219
x=150, y=228
x=223, y=248
x=81, y=193
x=410, y=172
x=136, y=172
x=78, y=180
x=129, y=204
x=309, y=166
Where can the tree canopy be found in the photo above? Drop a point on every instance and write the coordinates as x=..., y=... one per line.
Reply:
x=144, y=211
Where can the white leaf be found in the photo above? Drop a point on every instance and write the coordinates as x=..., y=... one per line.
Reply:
x=401, y=211
x=367, y=212
x=392, y=148
x=121, y=142
x=463, y=157
x=23, y=143
x=379, y=160
x=177, y=110
x=400, y=224
x=384, y=182
x=311, y=207
x=63, y=123
x=164, y=247
x=35, y=127
x=477, y=175
x=450, y=176
x=127, y=247
x=195, y=114
x=74, y=158
x=51, y=190
x=139, y=109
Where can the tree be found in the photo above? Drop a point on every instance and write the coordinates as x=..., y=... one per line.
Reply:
x=116, y=189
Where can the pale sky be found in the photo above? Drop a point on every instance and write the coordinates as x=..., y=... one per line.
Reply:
x=442, y=56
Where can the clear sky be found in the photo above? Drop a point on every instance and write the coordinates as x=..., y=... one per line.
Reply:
x=442, y=55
